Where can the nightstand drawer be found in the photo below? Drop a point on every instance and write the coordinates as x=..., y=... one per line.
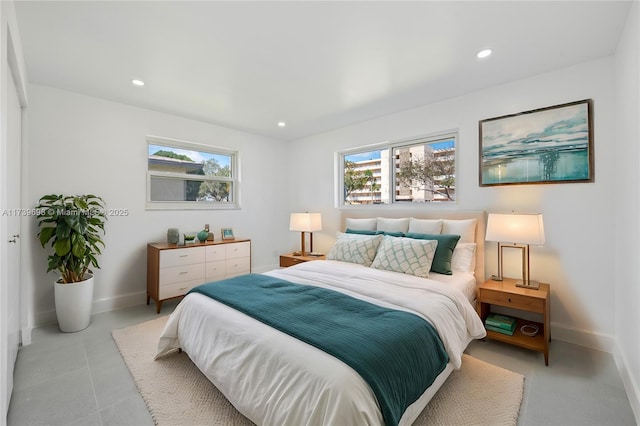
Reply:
x=286, y=261
x=515, y=301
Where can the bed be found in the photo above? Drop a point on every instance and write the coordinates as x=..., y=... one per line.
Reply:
x=273, y=378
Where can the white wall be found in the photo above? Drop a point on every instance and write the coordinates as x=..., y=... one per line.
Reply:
x=78, y=144
x=627, y=216
x=577, y=258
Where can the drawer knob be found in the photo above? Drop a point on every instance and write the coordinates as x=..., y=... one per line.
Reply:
x=183, y=272
x=184, y=255
x=184, y=288
x=509, y=299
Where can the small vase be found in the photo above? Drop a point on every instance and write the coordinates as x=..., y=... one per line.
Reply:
x=173, y=236
x=202, y=236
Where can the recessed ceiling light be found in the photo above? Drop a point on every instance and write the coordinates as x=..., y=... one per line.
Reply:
x=281, y=124
x=139, y=83
x=483, y=53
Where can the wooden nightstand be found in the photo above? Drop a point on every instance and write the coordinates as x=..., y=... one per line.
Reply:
x=505, y=293
x=287, y=260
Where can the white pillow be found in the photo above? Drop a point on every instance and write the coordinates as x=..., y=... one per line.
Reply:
x=425, y=226
x=466, y=228
x=405, y=255
x=393, y=225
x=355, y=248
x=464, y=257
x=368, y=224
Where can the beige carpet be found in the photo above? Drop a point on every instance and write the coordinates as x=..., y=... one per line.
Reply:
x=176, y=393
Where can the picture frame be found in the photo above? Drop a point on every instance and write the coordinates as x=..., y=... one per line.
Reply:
x=546, y=145
x=227, y=234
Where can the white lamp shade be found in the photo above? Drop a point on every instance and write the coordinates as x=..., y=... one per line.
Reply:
x=515, y=228
x=305, y=222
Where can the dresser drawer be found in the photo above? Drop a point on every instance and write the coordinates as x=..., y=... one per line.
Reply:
x=215, y=270
x=185, y=256
x=177, y=289
x=235, y=250
x=515, y=301
x=215, y=253
x=238, y=266
x=177, y=274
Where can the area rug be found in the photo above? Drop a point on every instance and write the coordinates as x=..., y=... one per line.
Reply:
x=177, y=393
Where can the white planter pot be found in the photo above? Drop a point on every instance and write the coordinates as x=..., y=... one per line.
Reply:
x=73, y=304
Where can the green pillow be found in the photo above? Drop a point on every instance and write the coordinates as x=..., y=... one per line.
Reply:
x=359, y=231
x=391, y=234
x=444, y=252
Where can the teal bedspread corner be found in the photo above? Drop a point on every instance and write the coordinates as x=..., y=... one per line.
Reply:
x=397, y=353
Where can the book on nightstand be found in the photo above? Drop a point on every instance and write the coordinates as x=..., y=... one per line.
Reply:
x=501, y=330
x=500, y=323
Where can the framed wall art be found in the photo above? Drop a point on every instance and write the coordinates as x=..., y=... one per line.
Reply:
x=546, y=145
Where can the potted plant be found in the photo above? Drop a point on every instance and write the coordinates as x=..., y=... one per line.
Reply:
x=73, y=224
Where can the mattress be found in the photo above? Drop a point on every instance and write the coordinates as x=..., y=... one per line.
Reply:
x=465, y=282
x=275, y=379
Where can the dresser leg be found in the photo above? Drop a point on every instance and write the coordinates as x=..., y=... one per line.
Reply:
x=148, y=298
x=158, y=306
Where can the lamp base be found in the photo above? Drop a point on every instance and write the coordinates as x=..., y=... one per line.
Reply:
x=533, y=285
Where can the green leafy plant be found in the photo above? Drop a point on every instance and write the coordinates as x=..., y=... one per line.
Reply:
x=73, y=224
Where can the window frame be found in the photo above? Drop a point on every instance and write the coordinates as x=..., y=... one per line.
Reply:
x=391, y=146
x=234, y=204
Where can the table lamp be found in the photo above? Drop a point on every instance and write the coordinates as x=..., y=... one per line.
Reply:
x=305, y=222
x=516, y=231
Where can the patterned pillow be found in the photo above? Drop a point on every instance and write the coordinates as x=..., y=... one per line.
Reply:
x=405, y=255
x=355, y=248
x=444, y=252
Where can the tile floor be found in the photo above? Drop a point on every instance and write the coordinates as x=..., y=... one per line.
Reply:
x=80, y=379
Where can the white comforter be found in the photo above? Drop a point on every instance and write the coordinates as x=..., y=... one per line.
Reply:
x=275, y=379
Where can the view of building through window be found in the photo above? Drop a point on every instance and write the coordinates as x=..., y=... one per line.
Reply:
x=417, y=172
x=184, y=174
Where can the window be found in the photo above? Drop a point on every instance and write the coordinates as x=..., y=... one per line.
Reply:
x=409, y=171
x=183, y=175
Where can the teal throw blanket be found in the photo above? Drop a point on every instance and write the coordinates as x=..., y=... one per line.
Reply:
x=397, y=353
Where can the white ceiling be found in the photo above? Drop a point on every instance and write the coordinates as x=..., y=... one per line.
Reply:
x=315, y=65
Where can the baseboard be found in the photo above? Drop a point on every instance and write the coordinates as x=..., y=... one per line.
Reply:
x=101, y=305
x=262, y=269
x=630, y=384
x=25, y=336
x=119, y=302
x=589, y=339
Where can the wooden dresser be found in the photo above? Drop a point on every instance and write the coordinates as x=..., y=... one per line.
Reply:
x=173, y=270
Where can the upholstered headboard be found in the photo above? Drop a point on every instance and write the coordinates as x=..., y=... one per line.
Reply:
x=420, y=214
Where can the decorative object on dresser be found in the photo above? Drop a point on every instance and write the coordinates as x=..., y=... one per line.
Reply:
x=173, y=270
x=516, y=231
x=203, y=235
x=73, y=225
x=505, y=293
x=227, y=234
x=305, y=222
x=173, y=235
x=206, y=228
x=291, y=259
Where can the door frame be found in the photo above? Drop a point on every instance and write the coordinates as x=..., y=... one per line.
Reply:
x=12, y=71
